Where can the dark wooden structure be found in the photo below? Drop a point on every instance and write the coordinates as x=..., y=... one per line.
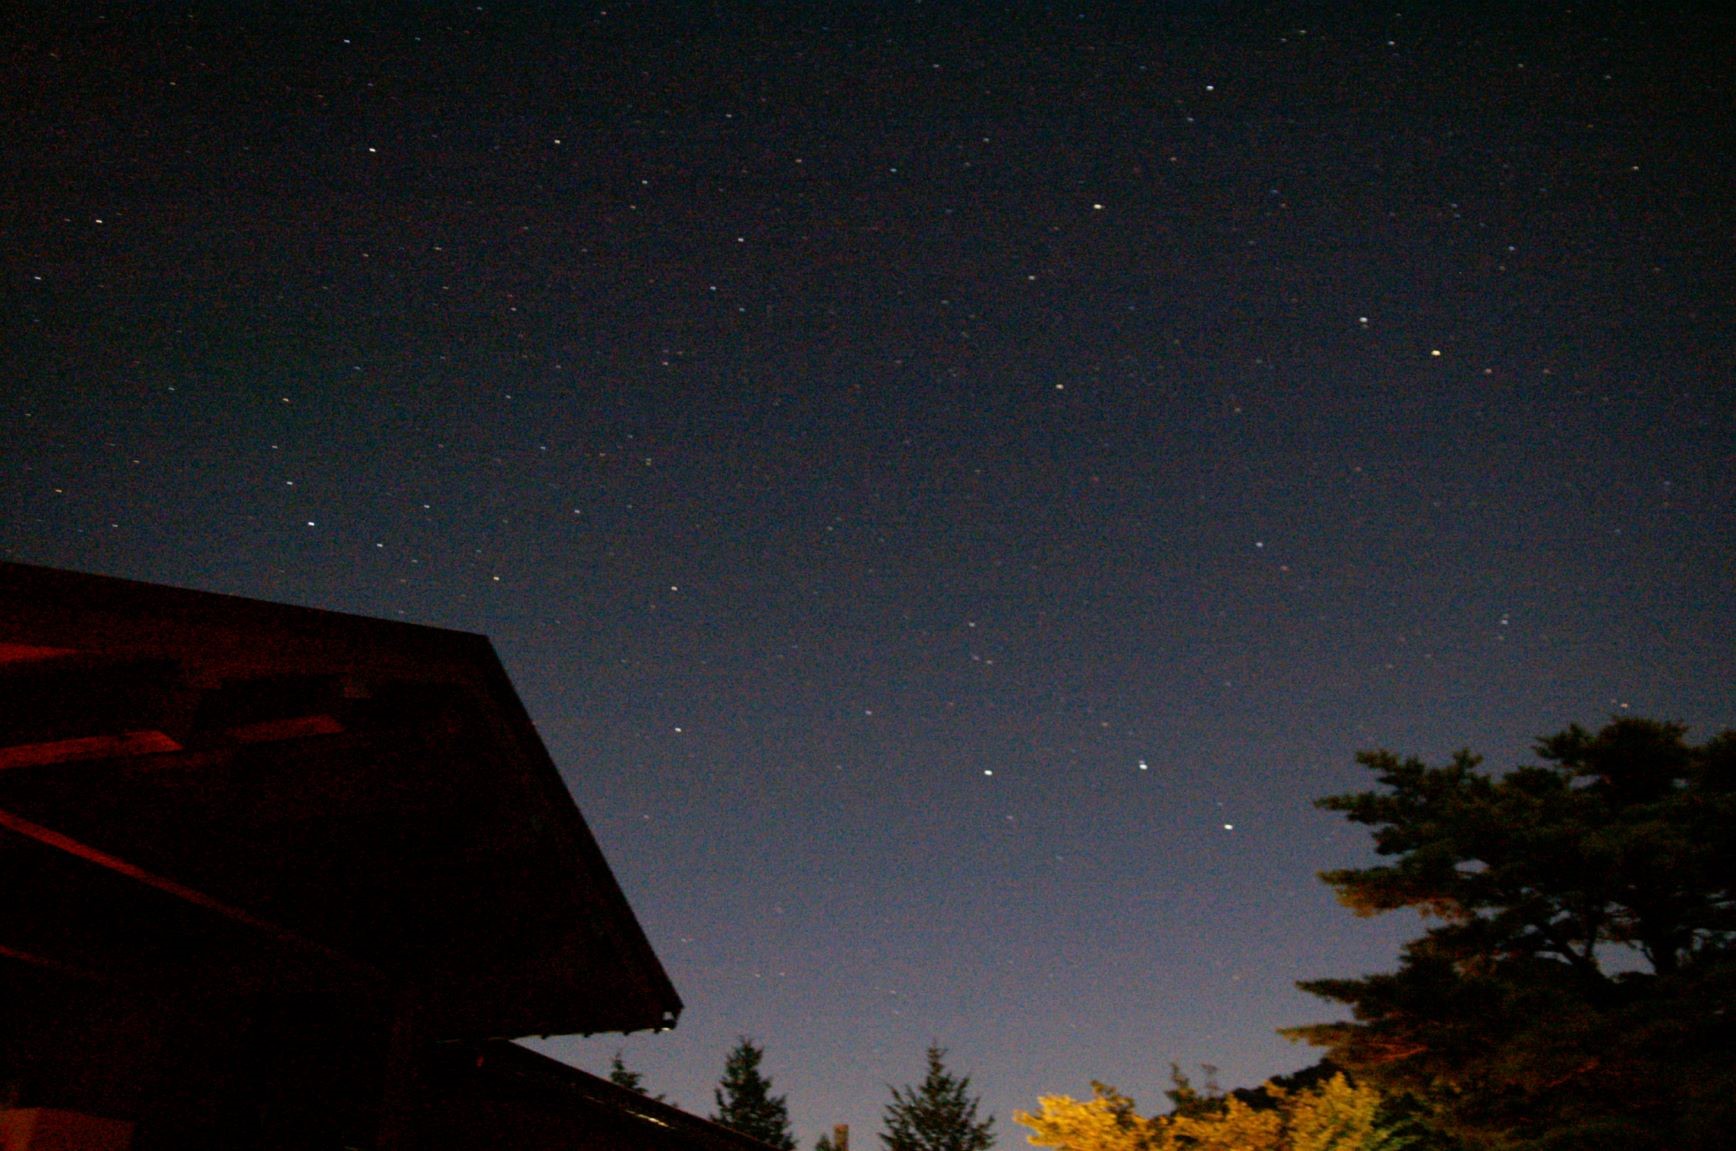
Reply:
x=273, y=877
x=498, y=1094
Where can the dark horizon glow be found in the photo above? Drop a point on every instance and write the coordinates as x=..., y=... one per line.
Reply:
x=951, y=486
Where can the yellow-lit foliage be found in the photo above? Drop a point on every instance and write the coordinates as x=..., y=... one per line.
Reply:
x=1331, y=1116
x=1336, y=1116
x=1105, y=1122
x=1237, y=1128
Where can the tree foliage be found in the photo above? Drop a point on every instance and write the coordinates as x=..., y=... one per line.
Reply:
x=745, y=1102
x=1330, y=1114
x=1577, y=990
x=623, y=1076
x=1104, y=1122
x=938, y=1115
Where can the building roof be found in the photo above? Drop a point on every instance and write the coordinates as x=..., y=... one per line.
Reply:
x=500, y=1094
x=249, y=792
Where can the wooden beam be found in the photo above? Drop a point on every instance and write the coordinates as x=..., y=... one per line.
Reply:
x=291, y=940
x=48, y=964
x=29, y=653
x=127, y=743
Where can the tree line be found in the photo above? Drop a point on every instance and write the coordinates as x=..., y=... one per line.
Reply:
x=1577, y=989
x=938, y=1114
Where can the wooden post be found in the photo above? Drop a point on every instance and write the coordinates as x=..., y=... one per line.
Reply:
x=401, y=1097
x=841, y=1137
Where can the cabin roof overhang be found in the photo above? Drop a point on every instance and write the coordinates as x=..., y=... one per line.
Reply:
x=198, y=789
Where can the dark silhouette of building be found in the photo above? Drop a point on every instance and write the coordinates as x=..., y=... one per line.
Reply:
x=273, y=877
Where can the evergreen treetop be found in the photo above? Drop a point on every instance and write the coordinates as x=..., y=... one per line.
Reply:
x=745, y=1102
x=623, y=1076
x=938, y=1115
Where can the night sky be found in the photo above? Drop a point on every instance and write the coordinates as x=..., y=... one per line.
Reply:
x=951, y=482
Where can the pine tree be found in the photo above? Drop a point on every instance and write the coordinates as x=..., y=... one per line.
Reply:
x=745, y=1102
x=1579, y=986
x=940, y=1115
x=622, y=1076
